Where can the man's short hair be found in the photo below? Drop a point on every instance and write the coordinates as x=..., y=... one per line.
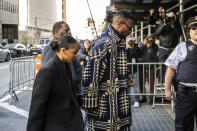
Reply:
x=57, y=26
x=123, y=15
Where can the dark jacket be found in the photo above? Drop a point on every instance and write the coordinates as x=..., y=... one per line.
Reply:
x=54, y=106
x=82, y=55
x=168, y=36
x=48, y=53
x=132, y=57
x=149, y=55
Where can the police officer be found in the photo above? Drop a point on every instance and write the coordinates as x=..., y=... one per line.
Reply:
x=184, y=59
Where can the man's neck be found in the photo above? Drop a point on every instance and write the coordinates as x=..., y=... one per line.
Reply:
x=117, y=33
x=194, y=41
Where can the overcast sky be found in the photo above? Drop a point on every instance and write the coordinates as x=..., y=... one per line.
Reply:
x=78, y=12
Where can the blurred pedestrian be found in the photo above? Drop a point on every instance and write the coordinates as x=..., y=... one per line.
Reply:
x=84, y=53
x=147, y=72
x=133, y=53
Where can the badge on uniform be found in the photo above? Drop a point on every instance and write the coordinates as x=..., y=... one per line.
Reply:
x=191, y=47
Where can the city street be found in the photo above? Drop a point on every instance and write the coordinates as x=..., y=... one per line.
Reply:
x=4, y=77
x=12, y=117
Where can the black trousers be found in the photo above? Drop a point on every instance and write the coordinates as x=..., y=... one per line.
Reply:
x=186, y=110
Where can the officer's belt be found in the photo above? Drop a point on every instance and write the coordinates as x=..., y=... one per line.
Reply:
x=183, y=88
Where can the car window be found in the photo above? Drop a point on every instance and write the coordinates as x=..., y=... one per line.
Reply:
x=47, y=41
x=41, y=41
x=20, y=46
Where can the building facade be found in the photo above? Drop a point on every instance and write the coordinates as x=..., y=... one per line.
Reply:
x=9, y=20
x=37, y=21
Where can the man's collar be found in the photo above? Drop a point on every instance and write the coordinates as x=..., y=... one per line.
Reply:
x=114, y=35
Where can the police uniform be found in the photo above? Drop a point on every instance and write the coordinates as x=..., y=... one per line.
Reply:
x=184, y=59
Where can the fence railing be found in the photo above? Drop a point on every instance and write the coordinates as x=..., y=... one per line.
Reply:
x=150, y=78
x=22, y=75
x=150, y=82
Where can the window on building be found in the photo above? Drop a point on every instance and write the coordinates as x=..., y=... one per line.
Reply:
x=16, y=9
x=6, y=6
x=1, y=6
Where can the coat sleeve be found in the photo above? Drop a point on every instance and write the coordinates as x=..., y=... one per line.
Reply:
x=92, y=76
x=40, y=97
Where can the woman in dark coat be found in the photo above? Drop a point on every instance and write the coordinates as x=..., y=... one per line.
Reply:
x=84, y=53
x=54, y=106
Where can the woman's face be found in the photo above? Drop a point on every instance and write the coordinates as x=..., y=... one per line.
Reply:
x=70, y=54
x=86, y=44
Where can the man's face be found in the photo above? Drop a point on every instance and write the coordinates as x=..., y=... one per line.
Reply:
x=193, y=32
x=125, y=27
x=65, y=30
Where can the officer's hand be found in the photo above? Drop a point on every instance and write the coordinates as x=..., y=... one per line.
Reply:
x=169, y=94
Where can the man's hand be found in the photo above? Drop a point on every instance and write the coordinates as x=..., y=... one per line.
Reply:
x=131, y=80
x=169, y=94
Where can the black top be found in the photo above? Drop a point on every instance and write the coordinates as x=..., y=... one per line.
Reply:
x=54, y=106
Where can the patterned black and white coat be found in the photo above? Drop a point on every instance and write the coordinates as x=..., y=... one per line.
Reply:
x=104, y=83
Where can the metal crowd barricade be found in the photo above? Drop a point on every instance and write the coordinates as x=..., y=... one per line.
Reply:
x=22, y=75
x=151, y=81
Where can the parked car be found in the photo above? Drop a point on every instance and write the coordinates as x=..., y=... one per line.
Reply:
x=17, y=50
x=34, y=50
x=44, y=41
x=4, y=54
x=40, y=46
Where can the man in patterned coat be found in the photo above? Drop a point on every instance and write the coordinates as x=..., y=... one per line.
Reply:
x=105, y=78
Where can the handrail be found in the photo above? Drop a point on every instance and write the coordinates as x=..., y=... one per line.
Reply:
x=189, y=8
x=173, y=7
x=180, y=12
x=144, y=28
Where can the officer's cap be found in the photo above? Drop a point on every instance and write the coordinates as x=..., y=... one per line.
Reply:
x=192, y=21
